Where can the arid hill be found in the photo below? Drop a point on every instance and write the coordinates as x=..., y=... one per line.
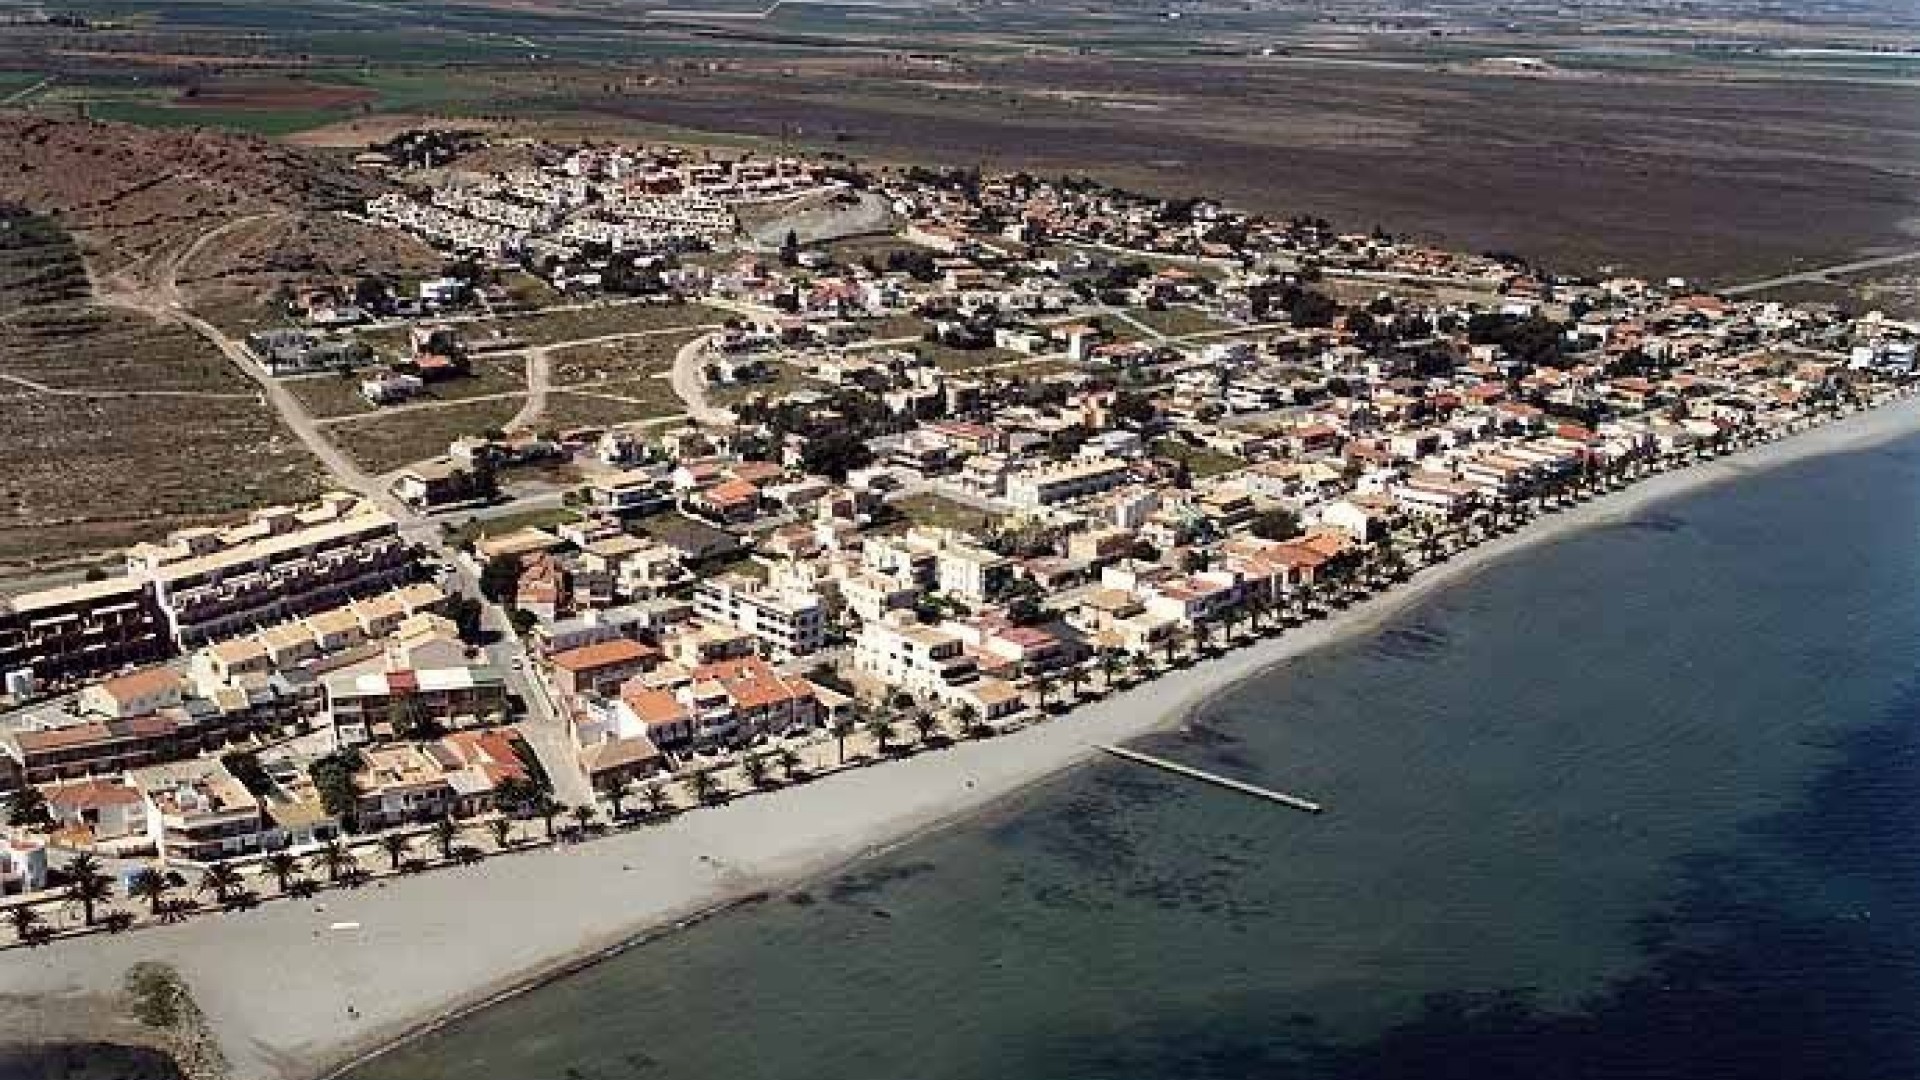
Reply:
x=130, y=194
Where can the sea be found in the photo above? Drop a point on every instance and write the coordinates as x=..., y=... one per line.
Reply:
x=1640, y=804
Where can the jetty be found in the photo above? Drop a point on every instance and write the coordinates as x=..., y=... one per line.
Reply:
x=1255, y=790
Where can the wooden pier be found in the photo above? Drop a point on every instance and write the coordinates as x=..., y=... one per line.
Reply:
x=1255, y=790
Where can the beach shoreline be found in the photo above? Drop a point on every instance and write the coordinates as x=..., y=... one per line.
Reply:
x=302, y=989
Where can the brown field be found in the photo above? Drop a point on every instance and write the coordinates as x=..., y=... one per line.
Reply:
x=650, y=400
x=626, y=358
x=387, y=441
x=142, y=428
x=1662, y=173
x=272, y=95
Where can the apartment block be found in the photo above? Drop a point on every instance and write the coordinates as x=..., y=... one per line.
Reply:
x=786, y=622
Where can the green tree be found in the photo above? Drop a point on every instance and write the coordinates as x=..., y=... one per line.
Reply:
x=28, y=926
x=150, y=885
x=502, y=830
x=28, y=809
x=616, y=790
x=223, y=881
x=396, y=846
x=87, y=885
x=881, y=730
x=283, y=866
x=705, y=786
x=445, y=835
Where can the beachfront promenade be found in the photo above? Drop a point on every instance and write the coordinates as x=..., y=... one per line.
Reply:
x=287, y=994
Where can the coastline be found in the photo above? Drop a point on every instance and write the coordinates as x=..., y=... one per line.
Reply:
x=276, y=983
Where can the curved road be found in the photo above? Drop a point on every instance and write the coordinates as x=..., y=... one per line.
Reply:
x=690, y=382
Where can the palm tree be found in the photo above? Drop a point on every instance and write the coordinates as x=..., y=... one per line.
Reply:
x=790, y=762
x=117, y=921
x=396, y=846
x=925, y=724
x=754, y=767
x=1170, y=645
x=150, y=885
x=583, y=816
x=222, y=880
x=842, y=726
x=1043, y=687
x=87, y=885
x=705, y=786
x=616, y=789
x=1076, y=678
x=967, y=718
x=282, y=866
x=658, y=801
x=502, y=830
x=548, y=808
x=333, y=859
x=881, y=730
x=28, y=926
x=445, y=834
x=1110, y=663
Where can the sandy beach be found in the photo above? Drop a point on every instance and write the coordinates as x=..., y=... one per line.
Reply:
x=297, y=989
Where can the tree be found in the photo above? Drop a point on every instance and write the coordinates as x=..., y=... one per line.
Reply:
x=502, y=830
x=1076, y=679
x=87, y=885
x=117, y=921
x=548, y=808
x=28, y=926
x=333, y=859
x=841, y=727
x=705, y=786
x=968, y=718
x=150, y=885
x=396, y=846
x=445, y=833
x=925, y=724
x=283, y=866
x=583, y=816
x=500, y=578
x=333, y=780
x=1275, y=524
x=615, y=789
x=881, y=730
x=790, y=249
x=658, y=801
x=1044, y=686
x=834, y=454
x=28, y=808
x=790, y=763
x=223, y=881
x=1111, y=661
x=754, y=768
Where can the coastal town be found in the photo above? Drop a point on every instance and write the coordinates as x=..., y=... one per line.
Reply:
x=814, y=467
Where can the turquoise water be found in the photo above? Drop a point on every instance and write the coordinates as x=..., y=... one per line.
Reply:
x=1644, y=803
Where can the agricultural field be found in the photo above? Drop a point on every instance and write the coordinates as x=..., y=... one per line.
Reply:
x=930, y=509
x=952, y=359
x=1174, y=321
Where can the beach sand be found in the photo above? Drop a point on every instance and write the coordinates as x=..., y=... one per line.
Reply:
x=290, y=997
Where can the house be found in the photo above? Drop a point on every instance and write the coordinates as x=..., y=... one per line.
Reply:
x=602, y=667
x=23, y=864
x=97, y=811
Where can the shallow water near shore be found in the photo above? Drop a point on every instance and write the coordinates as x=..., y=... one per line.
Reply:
x=1640, y=803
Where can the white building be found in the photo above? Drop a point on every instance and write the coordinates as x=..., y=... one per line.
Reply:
x=787, y=622
x=1048, y=484
x=925, y=661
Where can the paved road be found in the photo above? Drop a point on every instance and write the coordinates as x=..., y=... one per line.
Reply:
x=1822, y=275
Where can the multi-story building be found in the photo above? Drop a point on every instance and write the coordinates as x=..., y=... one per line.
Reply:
x=1066, y=481
x=786, y=622
x=926, y=661
x=197, y=811
x=80, y=630
x=98, y=747
x=214, y=583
